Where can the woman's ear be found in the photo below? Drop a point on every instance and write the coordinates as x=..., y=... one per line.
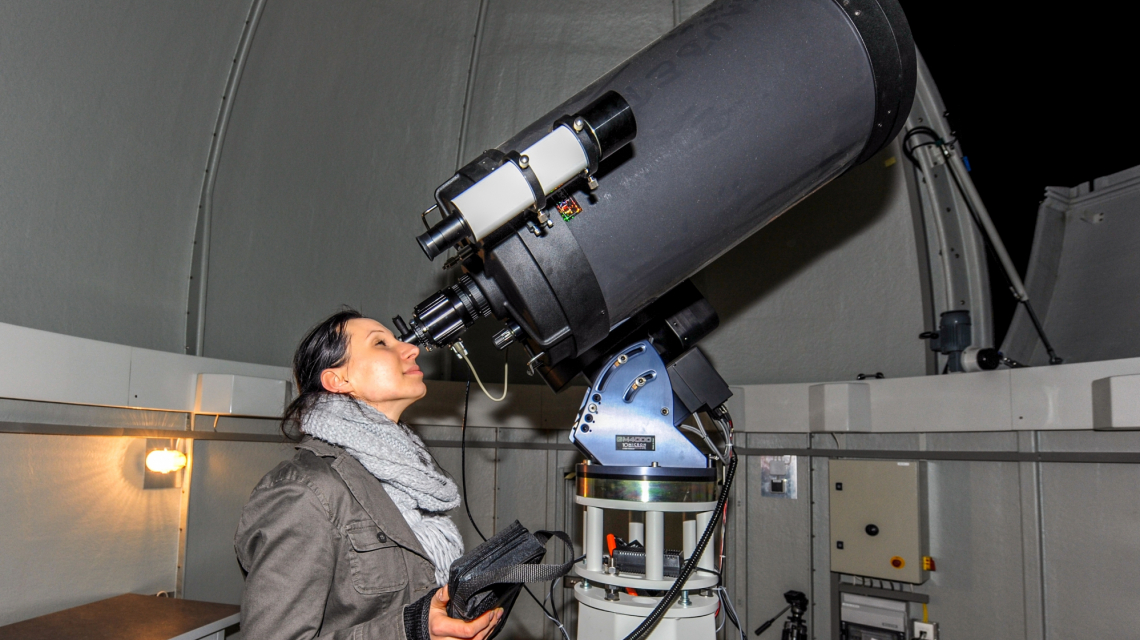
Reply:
x=333, y=381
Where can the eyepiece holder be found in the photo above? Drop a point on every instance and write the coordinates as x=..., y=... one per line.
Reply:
x=439, y=320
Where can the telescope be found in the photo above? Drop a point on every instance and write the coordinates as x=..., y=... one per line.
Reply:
x=580, y=232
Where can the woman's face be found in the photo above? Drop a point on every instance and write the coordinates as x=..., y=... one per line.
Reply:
x=379, y=370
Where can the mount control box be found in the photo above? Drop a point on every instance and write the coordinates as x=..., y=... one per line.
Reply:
x=878, y=519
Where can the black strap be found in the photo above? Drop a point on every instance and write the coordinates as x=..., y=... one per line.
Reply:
x=571, y=278
x=521, y=573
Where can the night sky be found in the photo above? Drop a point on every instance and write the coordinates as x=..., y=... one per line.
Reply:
x=1039, y=95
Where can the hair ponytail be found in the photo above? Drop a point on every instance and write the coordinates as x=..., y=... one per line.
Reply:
x=325, y=346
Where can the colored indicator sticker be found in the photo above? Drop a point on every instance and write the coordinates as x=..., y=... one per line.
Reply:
x=567, y=206
x=636, y=443
x=898, y=562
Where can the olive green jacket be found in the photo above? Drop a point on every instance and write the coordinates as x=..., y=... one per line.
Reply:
x=327, y=553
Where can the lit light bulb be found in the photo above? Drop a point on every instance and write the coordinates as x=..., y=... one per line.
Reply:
x=165, y=460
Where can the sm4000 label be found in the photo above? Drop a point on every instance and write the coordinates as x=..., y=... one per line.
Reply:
x=636, y=443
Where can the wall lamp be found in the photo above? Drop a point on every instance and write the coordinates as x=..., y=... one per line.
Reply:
x=163, y=464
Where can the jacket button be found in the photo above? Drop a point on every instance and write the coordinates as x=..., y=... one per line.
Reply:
x=381, y=537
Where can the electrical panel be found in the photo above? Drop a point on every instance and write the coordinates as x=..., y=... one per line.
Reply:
x=878, y=519
x=867, y=618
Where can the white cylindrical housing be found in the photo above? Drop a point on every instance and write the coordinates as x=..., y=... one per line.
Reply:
x=595, y=543
x=504, y=193
x=707, y=558
x=688, y=538
x=494, y=200
x=556, y=158
x=654, y=545
x=636, y=531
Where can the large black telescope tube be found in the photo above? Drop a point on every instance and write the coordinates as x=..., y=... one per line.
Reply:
x=742, y=111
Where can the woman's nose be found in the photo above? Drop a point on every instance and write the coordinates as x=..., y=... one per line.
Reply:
x=411, y=351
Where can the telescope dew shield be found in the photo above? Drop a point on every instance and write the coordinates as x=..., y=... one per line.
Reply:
x=522, y=181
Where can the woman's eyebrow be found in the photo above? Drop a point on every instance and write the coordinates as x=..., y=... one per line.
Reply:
x=375, y=331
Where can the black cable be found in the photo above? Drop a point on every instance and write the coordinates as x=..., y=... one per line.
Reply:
x=467, y=505
x=908, y=150
x=463, y=459
x=554, y=610
x=647, y=625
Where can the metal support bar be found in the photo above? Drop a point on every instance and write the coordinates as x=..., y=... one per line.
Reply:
x=636, y=530
x=707, y=560
x=688, y=538
x=594, y=539
x=974, y=201
x=200, y=258
x=654, y=545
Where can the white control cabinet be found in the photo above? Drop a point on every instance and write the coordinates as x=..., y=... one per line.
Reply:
x=878, y=519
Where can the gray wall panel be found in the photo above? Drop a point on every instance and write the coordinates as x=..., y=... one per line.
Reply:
x=1081, y=273
x=1032, y=559
x=106, y=116
x=522, y=484
x=779, y=535
x=976, y=540
x=224, y=476
x=977, y=441
x=821, y=577
x=347, y=118
x=828, y=290
x=1119, y=441
x=77, y=525
x=1091, y=514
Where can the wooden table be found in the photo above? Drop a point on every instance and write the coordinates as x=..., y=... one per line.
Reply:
x=130, y=617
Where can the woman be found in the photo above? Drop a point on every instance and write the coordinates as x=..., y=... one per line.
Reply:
x=350, y=538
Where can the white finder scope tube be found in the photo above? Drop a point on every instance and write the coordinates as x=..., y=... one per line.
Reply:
x=496, y=187
x=505, y=193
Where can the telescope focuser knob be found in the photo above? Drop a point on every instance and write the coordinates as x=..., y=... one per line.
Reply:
x=506, y=336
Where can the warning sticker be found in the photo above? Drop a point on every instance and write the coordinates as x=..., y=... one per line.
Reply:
x=566, y=205
x=636, y=443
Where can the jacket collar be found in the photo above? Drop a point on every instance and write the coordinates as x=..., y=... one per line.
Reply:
x=368, y=492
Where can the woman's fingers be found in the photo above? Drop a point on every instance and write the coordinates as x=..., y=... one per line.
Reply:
x=442, y=627
x=486, y=633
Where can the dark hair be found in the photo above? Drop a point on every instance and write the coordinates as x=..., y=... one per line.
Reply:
x=325, y=346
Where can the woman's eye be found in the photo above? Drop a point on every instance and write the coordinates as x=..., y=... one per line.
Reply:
x=380, y=343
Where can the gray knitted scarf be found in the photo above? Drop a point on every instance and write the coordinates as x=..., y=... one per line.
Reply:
x=399, y=460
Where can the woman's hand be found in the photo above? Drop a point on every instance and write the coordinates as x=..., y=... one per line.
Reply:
x=441, y=627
